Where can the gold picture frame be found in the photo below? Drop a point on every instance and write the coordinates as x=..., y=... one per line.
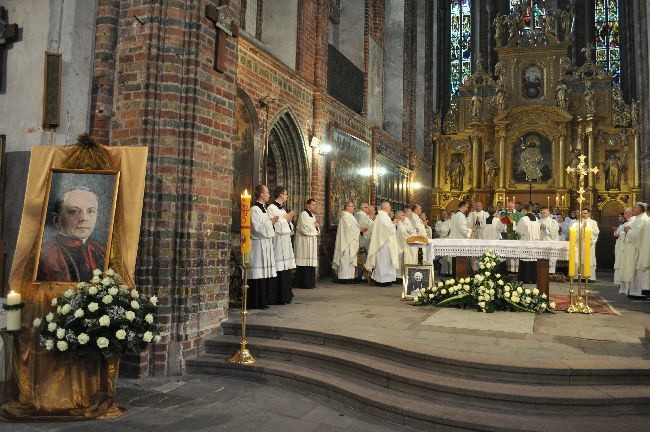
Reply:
x=410, y=282
x=63, y=265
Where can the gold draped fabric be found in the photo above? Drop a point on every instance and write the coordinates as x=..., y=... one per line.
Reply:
x=50, y=388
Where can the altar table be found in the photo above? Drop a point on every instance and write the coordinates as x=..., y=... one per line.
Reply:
x=541, y=251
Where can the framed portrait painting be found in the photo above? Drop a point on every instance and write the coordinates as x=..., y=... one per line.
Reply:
x=415, y=278
x=76, y=225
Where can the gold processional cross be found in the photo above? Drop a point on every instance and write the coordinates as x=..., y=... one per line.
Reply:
x=579, y=306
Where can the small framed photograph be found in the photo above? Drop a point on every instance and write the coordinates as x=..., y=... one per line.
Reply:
x=76, y=225
x=415, y=278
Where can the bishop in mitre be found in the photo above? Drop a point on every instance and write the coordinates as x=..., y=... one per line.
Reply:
x=549, y=230
x=282, y=247
x=639, y=233
x=626, y=252
x=262, y=275
x=383, y=252
x=306, y=247
x=346, y=246
x=528, y=230
x=588, y=222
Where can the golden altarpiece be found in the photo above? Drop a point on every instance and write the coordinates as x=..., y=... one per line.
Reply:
x=513, y=132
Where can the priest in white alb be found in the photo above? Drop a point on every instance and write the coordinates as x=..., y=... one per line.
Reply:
x=639, y=233
x=476, y=220
x=588, y=222
x=410, y=253
x=459, y=229
x=549, y=230
x=418, y=224
x=346, y=246
x=262, y=273
x=404, y=231
x=442, y=228
x=306, y=247
x=284, y=258
x=383, y=259
x=626, y=253
x=365, y=223
x=528, y=229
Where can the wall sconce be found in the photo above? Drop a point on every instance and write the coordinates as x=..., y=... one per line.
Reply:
x=416, y=186
x=366, y=172
x=381, y=171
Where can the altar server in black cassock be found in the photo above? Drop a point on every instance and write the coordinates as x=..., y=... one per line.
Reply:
x=262, y=275
x=306, y=247
x=284, y=259
x=528, y=230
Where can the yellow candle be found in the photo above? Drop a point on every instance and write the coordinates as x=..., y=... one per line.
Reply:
x=564, y=201
x=245, y=222
x=572, y=251
x=13, y=316
x=548, y=201
x=557, y=200
x=586, y=250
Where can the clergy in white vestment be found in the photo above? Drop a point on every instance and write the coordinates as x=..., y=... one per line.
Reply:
x=639, y=233
x=564, y=224
x=418, y=224
x=404, y=231
x=427, y=226
x=284, y=258
x=306, y=247
x=458, y=228
x=549, y=230
x=493, y=226
x=619, y=235
x=476, y=220
x=410, y=253
x=442, y=228
x=383, y=252
x=346, y=246
x=626, y=253
x=588, y=222
x=262, y=273
x=528, y=230
x=365, y=223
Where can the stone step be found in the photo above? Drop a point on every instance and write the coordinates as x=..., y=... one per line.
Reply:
x=433, y=385
x=556, y=373
x=406, y=409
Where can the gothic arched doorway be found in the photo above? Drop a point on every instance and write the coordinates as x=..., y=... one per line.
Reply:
x=287, y=161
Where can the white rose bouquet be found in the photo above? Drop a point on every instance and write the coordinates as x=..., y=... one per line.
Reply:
x=100, y=317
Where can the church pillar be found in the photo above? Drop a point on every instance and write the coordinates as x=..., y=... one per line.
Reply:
x=437, y=167
x=637, y=162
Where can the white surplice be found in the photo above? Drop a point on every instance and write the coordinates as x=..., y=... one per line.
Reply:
x=284, y=258
x=383, y=252
x=551, y=232
x=639, y=233
x=306, y=247
x=262, y=264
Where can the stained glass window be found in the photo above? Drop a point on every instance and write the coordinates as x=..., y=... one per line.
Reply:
x=461, y=43
x=608, y=46
x=530, y=10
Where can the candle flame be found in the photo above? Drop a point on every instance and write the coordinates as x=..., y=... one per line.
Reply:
x=245, y=191
x=12, y=292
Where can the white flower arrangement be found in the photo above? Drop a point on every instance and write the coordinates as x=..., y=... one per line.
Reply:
x=486, y=291
x=100, y=317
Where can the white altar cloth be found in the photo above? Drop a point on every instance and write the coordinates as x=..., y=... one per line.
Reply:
x=526, y=250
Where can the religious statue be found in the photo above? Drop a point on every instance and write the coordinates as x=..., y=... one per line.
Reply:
x=566, y=23
x=499, y=23
x=531, y=159
x=500, y=99
x=476, y=106
x=613, y=168
x=549, y=23
x=634, y=113
x=500, y=71
x=456, y=171
x=514, y=23
x=491, y=170
x=590, y=98
x=573, y=163
x=561, y=96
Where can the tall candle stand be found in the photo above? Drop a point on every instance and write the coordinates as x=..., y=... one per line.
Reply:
x=577, y=304
x=243, y=355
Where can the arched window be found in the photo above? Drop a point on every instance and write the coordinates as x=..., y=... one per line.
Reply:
x=461, y=43
x=607, y=37
x=532, y=13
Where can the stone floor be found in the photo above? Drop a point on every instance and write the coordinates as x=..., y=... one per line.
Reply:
x=211, y=403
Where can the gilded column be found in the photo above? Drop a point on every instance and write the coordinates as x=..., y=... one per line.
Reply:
x=475, y=161
x=637, y=166
x=502, y=157
x=437, y=168
x=561, y=157
x=590, y=154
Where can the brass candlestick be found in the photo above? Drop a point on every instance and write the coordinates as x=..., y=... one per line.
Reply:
x=243, y=355
x=579, y=305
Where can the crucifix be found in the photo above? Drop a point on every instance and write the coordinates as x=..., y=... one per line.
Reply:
x=213, y=13
x=8, y=35
x=588, y=50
